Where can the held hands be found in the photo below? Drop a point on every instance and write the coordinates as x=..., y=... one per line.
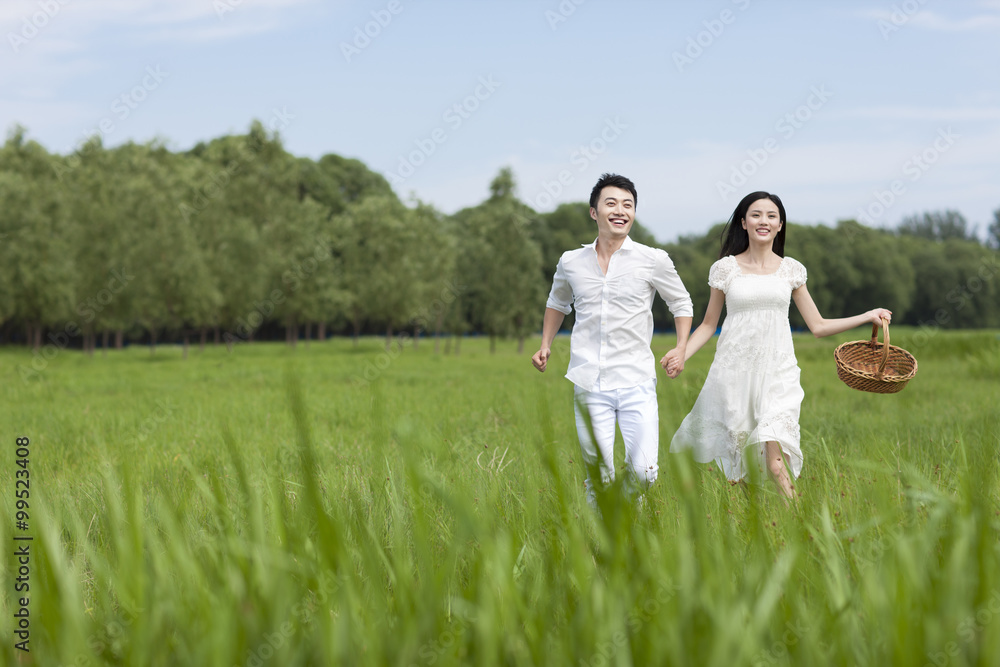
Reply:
x=673, y=362
x=541, y=358
x=876, y=314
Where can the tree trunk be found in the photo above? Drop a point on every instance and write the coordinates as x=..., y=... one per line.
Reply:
x=202, y=335
x=458, y=344
x=308, y=326
x=520, y=344
x=119, y=339
x=321, y=331
x=217, y=334
x=38, y=336
x=104, y=343
x=89, y=343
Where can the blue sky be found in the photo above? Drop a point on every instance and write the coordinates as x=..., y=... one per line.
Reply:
x=876, y=110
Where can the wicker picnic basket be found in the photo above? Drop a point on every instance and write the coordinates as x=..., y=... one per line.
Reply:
x=872, y=366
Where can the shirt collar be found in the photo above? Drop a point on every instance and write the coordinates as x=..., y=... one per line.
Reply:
x=627, y=244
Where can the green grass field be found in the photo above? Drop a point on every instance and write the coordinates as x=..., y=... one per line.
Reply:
x=273, y=507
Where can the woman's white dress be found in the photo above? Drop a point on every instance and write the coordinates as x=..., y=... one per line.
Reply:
x=752, y=393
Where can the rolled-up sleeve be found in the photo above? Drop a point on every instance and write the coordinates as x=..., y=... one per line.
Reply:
x=669, y=286
x=561, y=294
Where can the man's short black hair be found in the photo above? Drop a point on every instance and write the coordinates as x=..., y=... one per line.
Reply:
x=612, y=181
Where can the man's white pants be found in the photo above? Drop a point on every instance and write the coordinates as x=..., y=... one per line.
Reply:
x=635, y=410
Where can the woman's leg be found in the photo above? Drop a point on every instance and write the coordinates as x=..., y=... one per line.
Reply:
x=778, y=468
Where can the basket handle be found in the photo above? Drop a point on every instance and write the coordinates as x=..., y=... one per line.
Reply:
x=885, y=345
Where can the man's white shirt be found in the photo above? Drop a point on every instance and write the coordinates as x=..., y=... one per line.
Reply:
x=609, y=346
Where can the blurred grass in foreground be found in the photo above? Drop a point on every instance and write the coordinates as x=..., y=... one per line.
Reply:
x=272, y=507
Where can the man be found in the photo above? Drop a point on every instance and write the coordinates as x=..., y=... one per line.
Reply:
x=611, y=283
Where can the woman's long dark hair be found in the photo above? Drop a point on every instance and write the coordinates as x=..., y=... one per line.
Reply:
x=735, y=239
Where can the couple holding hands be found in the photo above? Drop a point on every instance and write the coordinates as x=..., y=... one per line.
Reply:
x=748, y=410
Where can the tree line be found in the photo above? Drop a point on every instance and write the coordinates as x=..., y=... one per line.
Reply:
x=236, y=239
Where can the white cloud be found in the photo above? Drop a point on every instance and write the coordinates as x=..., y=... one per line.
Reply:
x=210, y=33
x=938, y=114
x=47, y=41
x=29, y=29
x=932, y=21
x=95, y=13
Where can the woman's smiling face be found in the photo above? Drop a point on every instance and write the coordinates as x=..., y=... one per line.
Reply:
x=762, y=221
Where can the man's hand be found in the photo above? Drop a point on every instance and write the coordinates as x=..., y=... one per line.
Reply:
x=541, y=358
x=673, y=362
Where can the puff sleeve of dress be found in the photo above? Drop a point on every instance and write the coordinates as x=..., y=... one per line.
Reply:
x=722, y=273
x=796, y=273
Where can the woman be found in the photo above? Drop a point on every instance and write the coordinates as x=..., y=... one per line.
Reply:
x=748, y=410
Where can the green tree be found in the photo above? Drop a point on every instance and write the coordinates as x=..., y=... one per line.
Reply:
x=174, y=289
x=501, y=264
x=36, y=234
x=993, y=233
x=973, y=298
x=503, y=186
x=566, y=228
x=938, y=226
x=245, y=191
x=305, y=276
x=337, y=182
x=436, y=289
x=852, y=268
x=378, y=250
x=94, y=187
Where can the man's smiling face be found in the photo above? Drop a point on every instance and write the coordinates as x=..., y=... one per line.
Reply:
x=615, y=213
